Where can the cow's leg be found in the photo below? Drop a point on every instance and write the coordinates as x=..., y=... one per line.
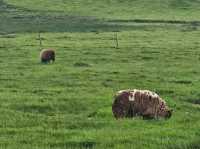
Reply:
x=43, y=61
x=147, y=114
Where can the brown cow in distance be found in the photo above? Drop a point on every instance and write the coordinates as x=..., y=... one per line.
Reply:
x=47, y=55
x=130, y=103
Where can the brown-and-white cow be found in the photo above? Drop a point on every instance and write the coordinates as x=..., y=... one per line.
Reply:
x=47, y=55
x=130, y=103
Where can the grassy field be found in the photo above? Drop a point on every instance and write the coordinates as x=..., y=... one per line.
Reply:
x=112, y=9
x=68, y=104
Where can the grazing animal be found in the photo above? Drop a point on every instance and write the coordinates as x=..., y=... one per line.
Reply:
x=130, y=103
x=47, y=55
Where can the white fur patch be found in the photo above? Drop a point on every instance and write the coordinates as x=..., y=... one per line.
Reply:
x=147, y=92
x=131, y=98
x=132, y=92
x=121, y=91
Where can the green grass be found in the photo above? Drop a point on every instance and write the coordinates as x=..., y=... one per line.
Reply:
x=118, y=9
x=68, y=104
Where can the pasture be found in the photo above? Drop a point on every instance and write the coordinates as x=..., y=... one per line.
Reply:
x=67, y=104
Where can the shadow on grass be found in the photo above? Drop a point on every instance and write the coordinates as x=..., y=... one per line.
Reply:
x=34, y=108
x=192, y=145
x=194, y=98
x=81, y=64
x=83, y=144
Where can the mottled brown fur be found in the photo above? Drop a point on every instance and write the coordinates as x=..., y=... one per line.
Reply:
x=47, y=55
x=129, y=103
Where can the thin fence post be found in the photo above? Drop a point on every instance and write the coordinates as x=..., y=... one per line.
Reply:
x=116, y=41
x=40, y=40
x=39, y=32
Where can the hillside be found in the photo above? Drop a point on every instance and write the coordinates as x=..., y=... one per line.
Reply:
x=117, y=9
x=67, y=104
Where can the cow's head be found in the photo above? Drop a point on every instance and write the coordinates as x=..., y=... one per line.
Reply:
x=169, y=113
x=164, y=111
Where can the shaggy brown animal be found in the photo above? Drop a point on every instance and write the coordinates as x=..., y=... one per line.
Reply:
x=129, y=103
x=47, y=55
